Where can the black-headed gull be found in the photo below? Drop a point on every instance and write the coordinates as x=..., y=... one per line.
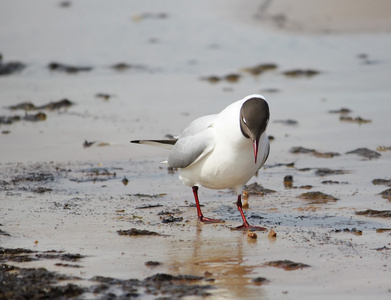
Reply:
x=221, y=151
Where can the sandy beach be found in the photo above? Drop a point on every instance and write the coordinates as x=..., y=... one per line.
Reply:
x=84, y=214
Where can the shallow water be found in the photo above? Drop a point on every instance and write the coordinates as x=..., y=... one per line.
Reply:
x=161, y=96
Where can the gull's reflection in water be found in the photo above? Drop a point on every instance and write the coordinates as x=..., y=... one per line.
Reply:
x=221, y=259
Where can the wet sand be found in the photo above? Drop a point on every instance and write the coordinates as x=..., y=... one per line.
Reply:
x=62, y=178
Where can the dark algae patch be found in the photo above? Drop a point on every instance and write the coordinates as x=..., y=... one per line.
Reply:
x=149, y=206
x=232, y=78
x=161, y=277
x=30, y=283
x=137, y=232
x=358, y=120
x=333, y=182
x=302, y=150
x=152, y=263
x=380, y=181
x=354, y=231
x=260, y=68
x=96, y=174
x=172, y=219
x=9, y=68
x=327, y=171
x=64, y=257
x=384, y=248
x=288, y=122
x=28, y=106
x=375, y=213
x=317, y=197
x=386, y=194
x=16, y=255
x=121, y=66
x=340, y=111
x=40, y=283
x=260, y=280
x=8, y=120
x=176, y=287
x=60, y=67
x=301, y=73
x=288, y=183
x=68, y=265
x=257, y=189
x=34, y=177
x=41, y=190
x=287, y=265
x=382, y=230
x=160, y=285
x=2, y=232
x=25, y=255
x=365, y=152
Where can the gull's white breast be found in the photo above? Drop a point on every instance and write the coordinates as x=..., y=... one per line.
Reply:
x=231, y=163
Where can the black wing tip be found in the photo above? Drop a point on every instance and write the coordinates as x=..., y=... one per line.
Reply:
x=169, y=142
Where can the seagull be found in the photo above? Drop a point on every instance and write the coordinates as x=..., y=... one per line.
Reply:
x=221, y=151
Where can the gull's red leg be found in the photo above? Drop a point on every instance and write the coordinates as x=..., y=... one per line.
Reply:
x=245, y=225
x=199, y=213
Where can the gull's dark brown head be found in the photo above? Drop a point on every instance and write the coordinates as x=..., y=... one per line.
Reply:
x=254, y=116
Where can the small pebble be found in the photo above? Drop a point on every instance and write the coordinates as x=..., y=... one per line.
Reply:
x=272, y=234
x=252, y=235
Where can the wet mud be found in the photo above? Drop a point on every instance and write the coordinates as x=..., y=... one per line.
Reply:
x=86, y=215
x=154, y=223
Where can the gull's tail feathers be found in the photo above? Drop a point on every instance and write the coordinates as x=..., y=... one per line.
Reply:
x=166, y=144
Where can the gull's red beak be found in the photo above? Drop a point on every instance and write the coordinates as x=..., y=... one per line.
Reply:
x=255, y=146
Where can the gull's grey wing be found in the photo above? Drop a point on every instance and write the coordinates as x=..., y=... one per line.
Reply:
x=266, y=155
x=196, y=141
x=198, y=125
